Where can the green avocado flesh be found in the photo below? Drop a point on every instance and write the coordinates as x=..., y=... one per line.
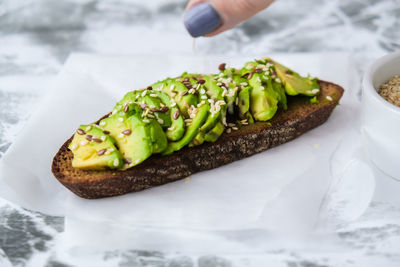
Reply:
x=186, y=111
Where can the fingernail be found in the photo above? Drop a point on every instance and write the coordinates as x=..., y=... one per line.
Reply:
x=201, y=19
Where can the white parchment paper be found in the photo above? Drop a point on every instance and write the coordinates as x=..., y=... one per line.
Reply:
x=282, y=189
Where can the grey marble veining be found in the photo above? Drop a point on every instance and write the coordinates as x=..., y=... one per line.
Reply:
x=36, y=36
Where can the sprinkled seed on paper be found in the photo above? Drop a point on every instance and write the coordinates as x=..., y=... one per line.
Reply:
x=101, y=152
x=80, y=131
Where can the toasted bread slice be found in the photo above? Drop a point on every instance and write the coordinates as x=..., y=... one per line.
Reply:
x=300, y=117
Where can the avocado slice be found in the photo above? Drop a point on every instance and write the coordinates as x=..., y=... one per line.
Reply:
x=177, y=128
x=192, y=129
x=178, y=91
x=263, y=99
x=94, y=150
x=211, y=92
x=132, y=133
x=215, y=132
x=294, y=83
x=151, y=100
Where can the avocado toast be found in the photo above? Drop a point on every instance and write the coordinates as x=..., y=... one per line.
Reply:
x=180, y=126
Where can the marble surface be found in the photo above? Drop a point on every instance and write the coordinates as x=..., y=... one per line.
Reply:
x=36, y=37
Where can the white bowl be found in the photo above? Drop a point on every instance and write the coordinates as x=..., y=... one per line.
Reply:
x=381, y=119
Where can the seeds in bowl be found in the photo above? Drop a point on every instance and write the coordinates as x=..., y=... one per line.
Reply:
x=390, y=91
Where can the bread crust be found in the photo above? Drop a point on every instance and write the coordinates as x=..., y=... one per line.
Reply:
x=300, y=117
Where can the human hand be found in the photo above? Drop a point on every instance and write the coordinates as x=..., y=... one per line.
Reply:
x=210, y=17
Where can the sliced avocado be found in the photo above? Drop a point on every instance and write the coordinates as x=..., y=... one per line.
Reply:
x=191, y=130
x=180, y=93
x=215, y=133
x=177, y=128
x=294, y=83
x=211, y=92
x=263, y=99
x=149, y=99
x=158, y=137
x=132, y=133
x=244, y=102
x=95, y=150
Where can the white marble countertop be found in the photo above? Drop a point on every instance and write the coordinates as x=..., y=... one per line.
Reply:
x=36, y=37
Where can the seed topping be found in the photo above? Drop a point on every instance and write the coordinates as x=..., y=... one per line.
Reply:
x=222, y=66
x=89, y=137
x=80, y=131
x=97, y=140
x=101, y=152
x=126, y=132
x=176, y=114
x=126, y=108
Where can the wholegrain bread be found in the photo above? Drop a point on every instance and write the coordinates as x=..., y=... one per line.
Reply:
x=300, y=117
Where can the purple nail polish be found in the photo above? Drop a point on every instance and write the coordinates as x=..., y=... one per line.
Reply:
x=201, y=19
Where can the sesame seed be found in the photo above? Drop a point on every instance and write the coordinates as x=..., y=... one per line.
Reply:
x=279, y=80
x=80, y=131
x=153, y=95
x=202, y=91
x=102, y=123
x=231, y=124
x=203, y=97
x=228, y=130
x=145, y=120
x=88, y=128
x=121, y=135
x=202, y=102
x=103, y=138
x=235, y=128
x=314, y=91
x=160, y=121
x=173, y=104
x=120, y=119
x=151, y=116
x=101, y=152
x=172, y=87
x=329, y=98
x=144, y=93
x=116, y=162
x=84, y=142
